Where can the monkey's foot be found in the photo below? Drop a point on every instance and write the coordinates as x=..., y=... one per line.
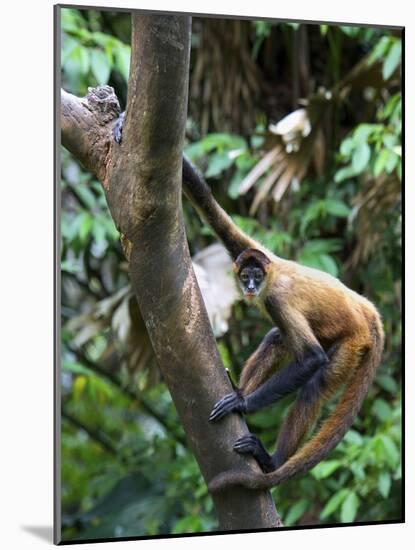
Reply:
x=251, y=445
x=233, y=402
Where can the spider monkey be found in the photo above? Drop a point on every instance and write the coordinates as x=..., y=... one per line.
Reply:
x=331, y=337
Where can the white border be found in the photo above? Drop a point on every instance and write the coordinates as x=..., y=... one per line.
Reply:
x=27, y=268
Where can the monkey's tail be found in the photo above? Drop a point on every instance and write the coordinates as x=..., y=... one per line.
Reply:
x=329, y=435
x=200, y=195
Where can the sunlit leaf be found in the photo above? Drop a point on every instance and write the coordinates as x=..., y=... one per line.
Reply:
x=337, y=208
x=218, y=162
x=392, y=60
x=100, y=66
x=85, y=225
x=122, y=60
x=353, y=437
x=344, y=173
x=349, y=508
x=79, y=386
x=382, y=410
x=380, y=162
x=384, y=483
x=387, y=383
x=296, y=511
x=392, y=453
x=360, y=157
x=334, y=503
x=325, y=468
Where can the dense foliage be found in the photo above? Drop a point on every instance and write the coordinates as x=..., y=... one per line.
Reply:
x=126, y=468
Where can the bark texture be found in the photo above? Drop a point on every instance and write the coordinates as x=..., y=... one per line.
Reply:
x=142, y=182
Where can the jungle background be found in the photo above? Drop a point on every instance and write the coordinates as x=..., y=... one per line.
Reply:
x=297, y=129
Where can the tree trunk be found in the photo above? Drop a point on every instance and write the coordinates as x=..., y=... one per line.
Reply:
x=142, y=182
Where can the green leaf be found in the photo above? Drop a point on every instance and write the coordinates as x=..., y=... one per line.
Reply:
x=98, y=231
x=233, y=188
x=325, y=469
x=387, y=383
x=69, y=44
x=79, y=386
x=188, y=524
x=76, y=368
x=328, y=264
x=360, y=157
x=390, y=140
x=392, y=60
x=391, y=451
x=81, y=57
x=384, y=484
x=363, y=132
x=380, y=49
x=337, y=208
x=86, y=195
x=85, y=226
x=195, y=151
x=218, y=162
x=70, y=266
x=353, y=437
x=320, y=246
x=100, y=66
x=334, y=503
x=349, y=508
x=296, y=511
x=382, y=410
x=391, y=162
x=347, y=146
x=380, y=162
x=344, y=173
x=122, y=60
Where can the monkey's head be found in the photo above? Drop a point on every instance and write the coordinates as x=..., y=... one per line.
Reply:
x=251, y=267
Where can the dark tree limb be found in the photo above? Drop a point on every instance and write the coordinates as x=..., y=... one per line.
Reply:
x=142, y=182
x=101, y=439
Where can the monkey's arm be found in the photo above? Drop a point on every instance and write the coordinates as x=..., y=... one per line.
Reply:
x=292, y=377
x=265, y=360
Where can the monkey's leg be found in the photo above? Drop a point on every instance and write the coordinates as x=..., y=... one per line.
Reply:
x=306, y=409
x=250, y=444
x=265, y=359
x=297, y=424
x=301, y=418
x=299, y=421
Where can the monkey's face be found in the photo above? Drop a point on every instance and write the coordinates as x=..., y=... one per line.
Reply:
x=251, y=279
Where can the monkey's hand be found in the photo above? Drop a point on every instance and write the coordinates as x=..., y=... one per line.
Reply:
x=233, y=402
x=117, y=130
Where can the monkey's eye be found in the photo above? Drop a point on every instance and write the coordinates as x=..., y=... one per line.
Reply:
x=258, y=276
x=244, y=277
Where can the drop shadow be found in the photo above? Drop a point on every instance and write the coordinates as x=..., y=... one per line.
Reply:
x=44, y=532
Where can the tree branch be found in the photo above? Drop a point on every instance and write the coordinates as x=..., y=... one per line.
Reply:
x=96, y=436
x=142, y=181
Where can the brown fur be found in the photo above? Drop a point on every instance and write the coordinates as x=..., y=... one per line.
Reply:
x=266, y=359
x=312, y=307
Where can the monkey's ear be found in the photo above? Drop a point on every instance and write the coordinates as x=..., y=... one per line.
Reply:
x=252, y=254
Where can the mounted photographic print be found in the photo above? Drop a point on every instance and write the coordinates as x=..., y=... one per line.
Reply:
x=228, y=333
